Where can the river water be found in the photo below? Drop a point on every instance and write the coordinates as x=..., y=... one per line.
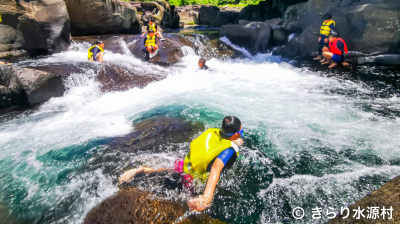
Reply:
x=312, y=138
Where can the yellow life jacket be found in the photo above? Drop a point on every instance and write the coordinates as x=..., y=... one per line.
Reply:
x=203, y=150
x=152, y=27
x=325, y=28
x=90, y=53
x=150, y=41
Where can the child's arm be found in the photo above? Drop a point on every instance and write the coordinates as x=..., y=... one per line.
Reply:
x=202, y=202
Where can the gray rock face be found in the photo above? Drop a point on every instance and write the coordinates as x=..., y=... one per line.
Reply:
x=99, y=17
x=28, y=87
x=346, y=3
x=293, y=12
x=266, y=10
x=213, y=16
x=254, y=37
x=367, y=26
x=380, y=59
x=34, y=27
x=301, y=45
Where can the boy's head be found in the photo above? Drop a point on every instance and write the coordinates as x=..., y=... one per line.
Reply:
x=151, y=21
x=100, y=43
x=231, y=126
x=333, y=34
x=327, y=17
x=151, y=32
x=201, y=62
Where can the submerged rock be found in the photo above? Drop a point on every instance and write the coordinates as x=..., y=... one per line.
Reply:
x=386, y=196
x=131, y=206
x=154, y=132
x=33, y=27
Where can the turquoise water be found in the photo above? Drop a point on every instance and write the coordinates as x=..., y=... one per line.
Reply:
x=311, y=139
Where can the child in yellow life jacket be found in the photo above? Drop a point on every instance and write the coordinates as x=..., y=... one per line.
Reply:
x=326, y=27
x=96, y=52
x=213, y=152
x=152, y=25
x=150, y=42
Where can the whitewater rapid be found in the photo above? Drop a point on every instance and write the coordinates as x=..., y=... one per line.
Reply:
x=286, y=110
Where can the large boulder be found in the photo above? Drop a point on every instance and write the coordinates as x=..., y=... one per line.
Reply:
x=131, y=206
x=266, y=10
x=213, y=16
x=293, y=12
x=33, y=27
x=254, y=37
x=99, y=17
x=371, y=26
x=367, y=26
x=28, y=87
x=301, y=45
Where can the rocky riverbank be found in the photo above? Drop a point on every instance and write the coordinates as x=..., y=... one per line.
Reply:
x=386, y=196
x=290, y=28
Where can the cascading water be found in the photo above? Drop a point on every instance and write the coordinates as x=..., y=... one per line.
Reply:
x=310, y=140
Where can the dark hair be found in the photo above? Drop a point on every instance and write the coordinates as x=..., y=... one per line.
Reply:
x=334, y=32
x=327, y=16
x=99, y=42
x=231, y=124
x=202, y=60
x=151, y=19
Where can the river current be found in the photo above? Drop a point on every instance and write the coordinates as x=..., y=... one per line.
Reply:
x=312, y=139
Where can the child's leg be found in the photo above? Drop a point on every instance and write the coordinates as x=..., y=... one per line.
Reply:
x=327, y=56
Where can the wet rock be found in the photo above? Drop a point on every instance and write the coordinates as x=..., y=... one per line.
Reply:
x=386, y=196
x=155, y=132
x=301, y=45
x=131, y=206
x=366, y=26
x=114, y=78
x=98, y=17
x=380, y=59
x=293, y=27
x=28, y=87
x=168, y=54
x=274, y=21
x=279, y=37
x=255, y=36
x=33, y=27
x=243, y=22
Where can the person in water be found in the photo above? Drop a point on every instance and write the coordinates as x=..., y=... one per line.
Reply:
x=96, y=52
x=337, y=49
x=3, y=63
x=213, y=152
x=201, y=64
x=150, y=42
x=323, y=40
x=153, y=26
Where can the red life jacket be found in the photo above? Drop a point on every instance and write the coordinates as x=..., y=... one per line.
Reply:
x=334, y=49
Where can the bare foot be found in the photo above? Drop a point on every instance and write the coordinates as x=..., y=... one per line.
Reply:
x=318, y=58
x=332, y=65
x=131, y=173
x=324, y=60
x=324, y=63
x=345, y=64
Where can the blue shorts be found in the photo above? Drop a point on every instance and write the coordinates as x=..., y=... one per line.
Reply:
x=336, y=58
